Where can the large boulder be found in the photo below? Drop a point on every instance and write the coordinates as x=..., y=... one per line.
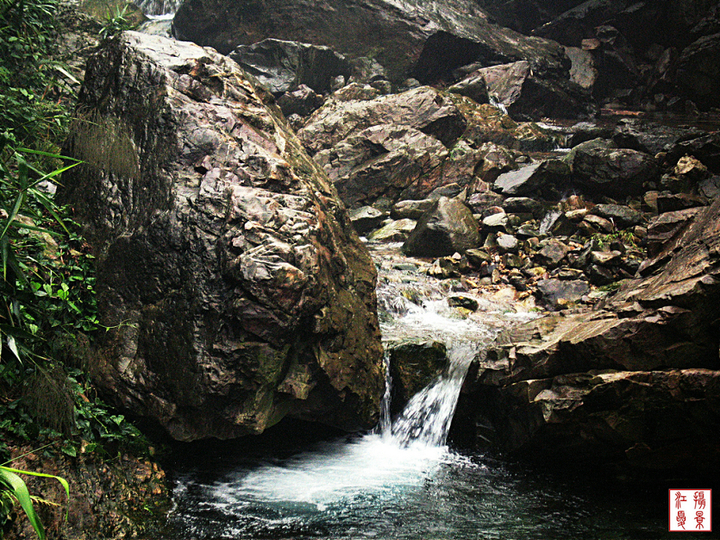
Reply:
x=525, y=94
x=380, y=161
x=425, y=40
x=233, y=286
x=617, y=172
x=633, y=420
x=282, y=66
x=412, y=367
x=696, y=74
x=635, y=45
x=447, y=228
x=424, y=109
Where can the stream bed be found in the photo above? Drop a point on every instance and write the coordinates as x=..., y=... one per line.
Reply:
x=403, y=480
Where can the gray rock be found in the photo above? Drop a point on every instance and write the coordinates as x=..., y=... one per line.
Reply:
x=366, y=219
x=448, y=228
x=524, y=205
x=395, y=231
x=612, y=171
x=670, y=202
x=497, y=220
x=424, y=109
x=664, y=229
x=561, y=294
x=463, y=302
x=233, y=286
x=381, y=161
x=281, y=66
x=301, y=101
x=582, y=71
x=552, y=253
x=507, y=243
x=414, y=38
x=473, y=87
x=622, y=216
x=412, y=367
x=695, y=75
x=650, y=137
x=411, y=209
x=710, y=188
x=523, y=93
x=543, y=177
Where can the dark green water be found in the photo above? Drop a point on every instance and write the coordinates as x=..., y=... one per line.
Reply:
x=369, y=487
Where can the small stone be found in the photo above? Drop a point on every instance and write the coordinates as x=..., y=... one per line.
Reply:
x=496, y=220
x=566, y=274
x=507, y=243
x=477, y=256
x=552, y=253
x=576, y=215
x=605, y=258
x=512, y=260
x=691, y=168
x=463, y=302
x=598, y=223
x=621, y=216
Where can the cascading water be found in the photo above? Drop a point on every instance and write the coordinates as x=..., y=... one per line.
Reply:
x=159, y=8
x=400, y=481
x=426, y=418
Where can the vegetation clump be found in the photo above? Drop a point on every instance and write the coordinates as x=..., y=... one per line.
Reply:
x=48, y=314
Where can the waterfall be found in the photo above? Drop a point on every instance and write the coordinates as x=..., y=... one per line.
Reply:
x=427, y=417
x=159, y=8
x=347, y=483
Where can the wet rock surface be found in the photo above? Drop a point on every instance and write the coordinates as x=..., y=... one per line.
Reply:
x=623, y=376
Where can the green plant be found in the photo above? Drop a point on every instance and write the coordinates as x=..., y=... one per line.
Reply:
x=13, y=490
x=33, y=113
x=23, y=206
x=625, y=236
x=117, y=21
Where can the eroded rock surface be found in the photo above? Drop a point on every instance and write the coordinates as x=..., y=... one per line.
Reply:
x=235, y=290
x=425, y=40
x=634, y=380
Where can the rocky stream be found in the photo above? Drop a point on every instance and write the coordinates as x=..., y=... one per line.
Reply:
x=411, y=269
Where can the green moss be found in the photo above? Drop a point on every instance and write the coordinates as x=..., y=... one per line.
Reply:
x=105, y=143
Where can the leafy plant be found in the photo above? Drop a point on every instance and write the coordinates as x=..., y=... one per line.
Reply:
x=23, y=205
x=13, y=490
x=116, y=22
x=32, y=113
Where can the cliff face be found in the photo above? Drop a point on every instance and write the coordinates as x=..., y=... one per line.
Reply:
x=232, y=283
x=422, y=39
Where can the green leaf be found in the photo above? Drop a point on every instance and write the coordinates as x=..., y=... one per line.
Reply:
x=60, y=479
x=12, y=345
x=16, y=486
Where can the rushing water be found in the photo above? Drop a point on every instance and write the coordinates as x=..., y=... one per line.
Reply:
x=402, y=481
